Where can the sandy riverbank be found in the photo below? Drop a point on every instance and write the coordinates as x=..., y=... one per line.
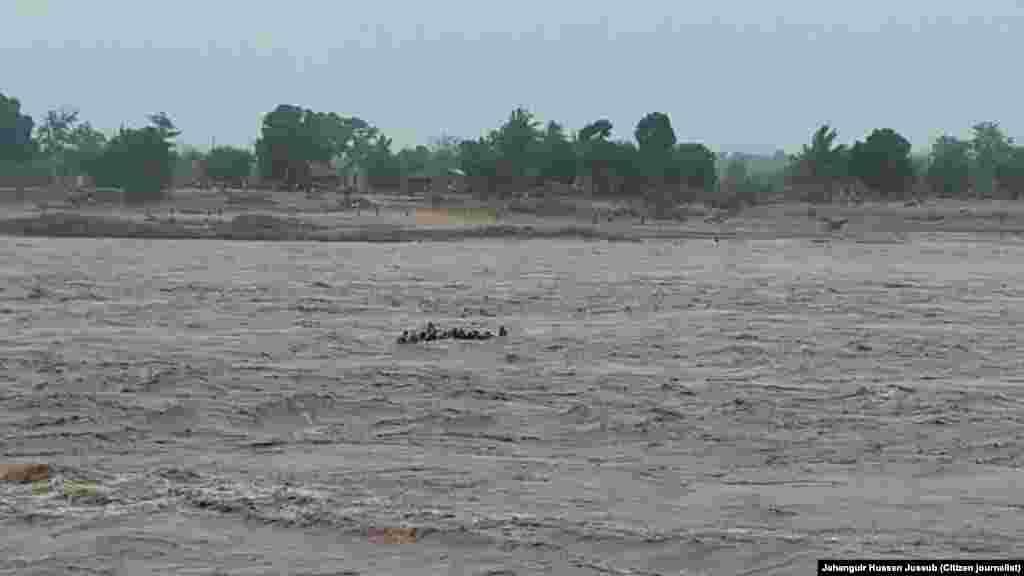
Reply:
x=281, y=217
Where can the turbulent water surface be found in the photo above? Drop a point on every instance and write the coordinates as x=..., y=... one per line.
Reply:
x=657, y=408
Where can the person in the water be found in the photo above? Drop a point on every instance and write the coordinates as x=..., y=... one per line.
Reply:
x=431, y=333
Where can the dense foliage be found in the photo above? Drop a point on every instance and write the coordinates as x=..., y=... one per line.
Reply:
x=882, y=162
x=66, y=144
x=1010, y=174
x=293, y=137
x=228, y=165
x=820, y=166
x=16, y=142
x=139, y=161
x=950, y=164
x=521, y=153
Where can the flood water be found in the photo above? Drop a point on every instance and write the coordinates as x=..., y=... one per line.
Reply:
x=677, y=407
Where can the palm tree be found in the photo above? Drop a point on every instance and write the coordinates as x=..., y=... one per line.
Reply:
x=821, y=164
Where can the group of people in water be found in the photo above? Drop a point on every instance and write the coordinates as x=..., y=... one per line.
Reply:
x=431, y=333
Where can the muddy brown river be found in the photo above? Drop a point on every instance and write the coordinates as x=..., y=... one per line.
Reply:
x=666, y=407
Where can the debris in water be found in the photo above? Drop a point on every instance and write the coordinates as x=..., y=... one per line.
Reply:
x=24, y=473
x=80, y=489
x=392, y=535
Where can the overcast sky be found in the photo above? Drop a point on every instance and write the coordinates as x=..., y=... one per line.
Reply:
x=749, y=76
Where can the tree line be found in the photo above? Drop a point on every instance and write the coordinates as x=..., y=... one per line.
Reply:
x=986, y=163
x=520, y=153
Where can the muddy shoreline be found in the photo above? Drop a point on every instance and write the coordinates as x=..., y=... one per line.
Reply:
x=879, y=223
x=79, y=226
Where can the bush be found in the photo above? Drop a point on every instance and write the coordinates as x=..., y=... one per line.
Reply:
x=883, y=162
x=225, y=164
x=741, y=187
x=138, y=161
x=948, y=174
x=1010, y=174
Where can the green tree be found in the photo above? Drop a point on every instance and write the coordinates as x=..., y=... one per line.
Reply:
x=140, y=161
x=821, y=165
x=86, y=144
x=163, y=125
x=736, y=174
x=595, y=131
x=444, y=154
x=697, y=167
x=621, y=158
x=556, y=156
x=1010, y=173
x=990, y=147
x=16, y=144
x=293, y=137
x=656, y=140
x=383, y=168
x=948, y=171
x=229, y=165
x=358, y=145
x=882, y=162
x=735, y=167
x=186, y=161
x=67, y=143
x=742, y=184
x=596, y=154
x=654, y=134
x=415, y=160
x=479, y=160
x=516, y=143
x=54, y=136
x=477, y=157
x=285, y=145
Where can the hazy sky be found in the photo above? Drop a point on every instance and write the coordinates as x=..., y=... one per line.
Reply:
x=737, y=75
